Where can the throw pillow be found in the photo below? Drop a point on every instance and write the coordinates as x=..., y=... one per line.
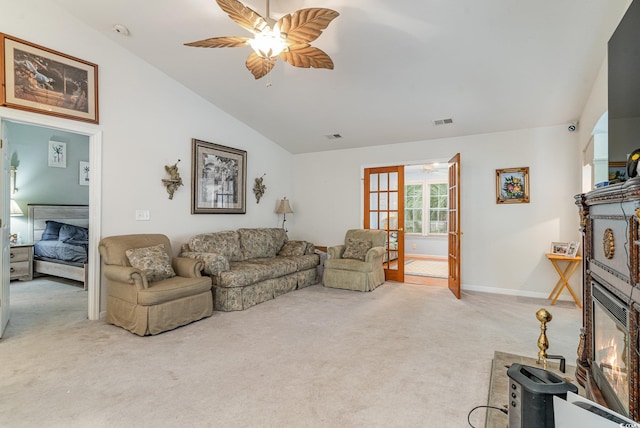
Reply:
x=51, y=230
x=153, y=261
x=293, y=248
x=69, y=232
x=356, y=249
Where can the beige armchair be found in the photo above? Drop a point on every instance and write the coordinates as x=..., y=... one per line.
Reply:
x=160, y=293
x=356, y=265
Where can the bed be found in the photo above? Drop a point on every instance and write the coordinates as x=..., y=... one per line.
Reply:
x=60, y=237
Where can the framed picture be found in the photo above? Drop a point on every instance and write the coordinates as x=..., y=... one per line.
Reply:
x=218, y=179
x=83, y=173
x=41, y=80
x=560, y=248
x=617, y=171
x=57, y=156
x=512, y=185
x=572, y=250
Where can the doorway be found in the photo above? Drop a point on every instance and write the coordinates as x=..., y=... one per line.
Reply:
x=425, y=213
x=95, y=148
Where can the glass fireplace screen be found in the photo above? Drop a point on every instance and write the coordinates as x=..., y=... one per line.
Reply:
x=611, y=346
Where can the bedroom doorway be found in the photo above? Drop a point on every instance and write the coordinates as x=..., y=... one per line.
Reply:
x=9, y=116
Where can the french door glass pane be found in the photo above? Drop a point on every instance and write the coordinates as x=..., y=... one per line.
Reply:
x=384, y=203
x=373, y=182
x=373, y=220
x=393, y=201
x=373, y=201
x=393, y=181
x=384, y=181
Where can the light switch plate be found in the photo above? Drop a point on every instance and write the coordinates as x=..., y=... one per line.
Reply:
x=142, y=215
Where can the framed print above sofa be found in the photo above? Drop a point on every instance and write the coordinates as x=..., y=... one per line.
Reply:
x=218, y=179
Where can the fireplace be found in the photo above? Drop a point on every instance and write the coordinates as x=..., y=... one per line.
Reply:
x=611, y=357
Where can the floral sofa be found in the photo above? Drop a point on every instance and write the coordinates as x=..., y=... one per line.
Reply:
x=251, y=266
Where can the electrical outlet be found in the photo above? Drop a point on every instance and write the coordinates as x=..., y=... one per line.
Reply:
x=414, y=246
x=142, y=215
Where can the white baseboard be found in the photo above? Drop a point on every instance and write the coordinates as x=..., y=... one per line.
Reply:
x=513, y=292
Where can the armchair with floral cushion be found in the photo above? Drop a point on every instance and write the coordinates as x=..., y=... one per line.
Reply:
x=148, y=290
x=356, y=265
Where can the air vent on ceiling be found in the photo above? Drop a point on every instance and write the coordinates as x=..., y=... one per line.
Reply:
x=442, y=121
x=333, y=136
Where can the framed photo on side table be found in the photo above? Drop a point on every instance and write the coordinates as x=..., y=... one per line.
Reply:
x=572, y=250
x=512, y=185
x=218, y=179
x=41, y=80
x=559, y=248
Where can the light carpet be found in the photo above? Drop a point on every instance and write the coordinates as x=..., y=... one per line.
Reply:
x=400, y=356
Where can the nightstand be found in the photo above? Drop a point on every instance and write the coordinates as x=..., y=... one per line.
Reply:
x=21, y=262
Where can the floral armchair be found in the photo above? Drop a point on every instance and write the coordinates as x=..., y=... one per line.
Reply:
x=356, y=265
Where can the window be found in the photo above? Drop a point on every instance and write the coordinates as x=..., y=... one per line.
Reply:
x=413, y=204
x=438, y=207
x=428, y=198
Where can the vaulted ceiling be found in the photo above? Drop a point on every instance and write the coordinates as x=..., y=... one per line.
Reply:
x=491, y=65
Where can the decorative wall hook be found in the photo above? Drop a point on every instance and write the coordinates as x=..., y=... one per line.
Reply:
x=259, y=188
x=174, y=181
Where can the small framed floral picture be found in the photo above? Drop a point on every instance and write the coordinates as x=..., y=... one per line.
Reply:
x=83, y=173
x=560, y=248
x=512, y=185
x=57, y=154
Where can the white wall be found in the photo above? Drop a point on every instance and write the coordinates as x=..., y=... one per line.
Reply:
x=503, y=246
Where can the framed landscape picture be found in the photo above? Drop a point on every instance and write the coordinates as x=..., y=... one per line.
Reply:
x=218, y=179
x=41, y=80
x=512, y=185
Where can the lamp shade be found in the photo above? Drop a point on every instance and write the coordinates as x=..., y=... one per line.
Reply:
x=284, y=207
x=15, y=209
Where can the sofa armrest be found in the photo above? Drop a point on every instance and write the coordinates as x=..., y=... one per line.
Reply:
x=126, y=275
x=214, y=263
x=336, y=252
x=186, y=267
x=374, y=253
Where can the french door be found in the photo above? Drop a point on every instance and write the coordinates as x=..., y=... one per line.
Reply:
x=384, y=210
x=454, y=225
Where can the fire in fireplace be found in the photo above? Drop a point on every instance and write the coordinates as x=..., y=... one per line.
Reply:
x=610, y=367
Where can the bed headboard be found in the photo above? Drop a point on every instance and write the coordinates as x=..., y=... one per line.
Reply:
x=77, y=215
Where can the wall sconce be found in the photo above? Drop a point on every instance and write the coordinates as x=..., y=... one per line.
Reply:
x=284, y=208
x=13, y=180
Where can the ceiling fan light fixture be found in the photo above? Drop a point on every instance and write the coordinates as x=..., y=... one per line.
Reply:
x=268, y=43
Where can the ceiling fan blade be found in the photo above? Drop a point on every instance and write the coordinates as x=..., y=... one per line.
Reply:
x=306, y=25
x=220, y=42
x=307, y=56
x=259, y=66
x=243, y=15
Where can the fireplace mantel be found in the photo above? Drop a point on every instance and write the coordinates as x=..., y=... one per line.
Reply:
x=610, y=225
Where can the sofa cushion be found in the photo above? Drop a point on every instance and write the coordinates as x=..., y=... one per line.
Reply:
x=308, y=261
x=153, y=261
x=243, y=273
x=293, y=248
x=226, y=243
x=279, y=266
x=261, y=242
x=356, y=249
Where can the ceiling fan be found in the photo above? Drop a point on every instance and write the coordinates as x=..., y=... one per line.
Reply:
x=288, y=38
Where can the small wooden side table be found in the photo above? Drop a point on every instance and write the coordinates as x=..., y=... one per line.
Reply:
x=565, y=275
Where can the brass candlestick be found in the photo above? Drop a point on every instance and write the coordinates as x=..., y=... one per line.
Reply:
x=544, y=316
